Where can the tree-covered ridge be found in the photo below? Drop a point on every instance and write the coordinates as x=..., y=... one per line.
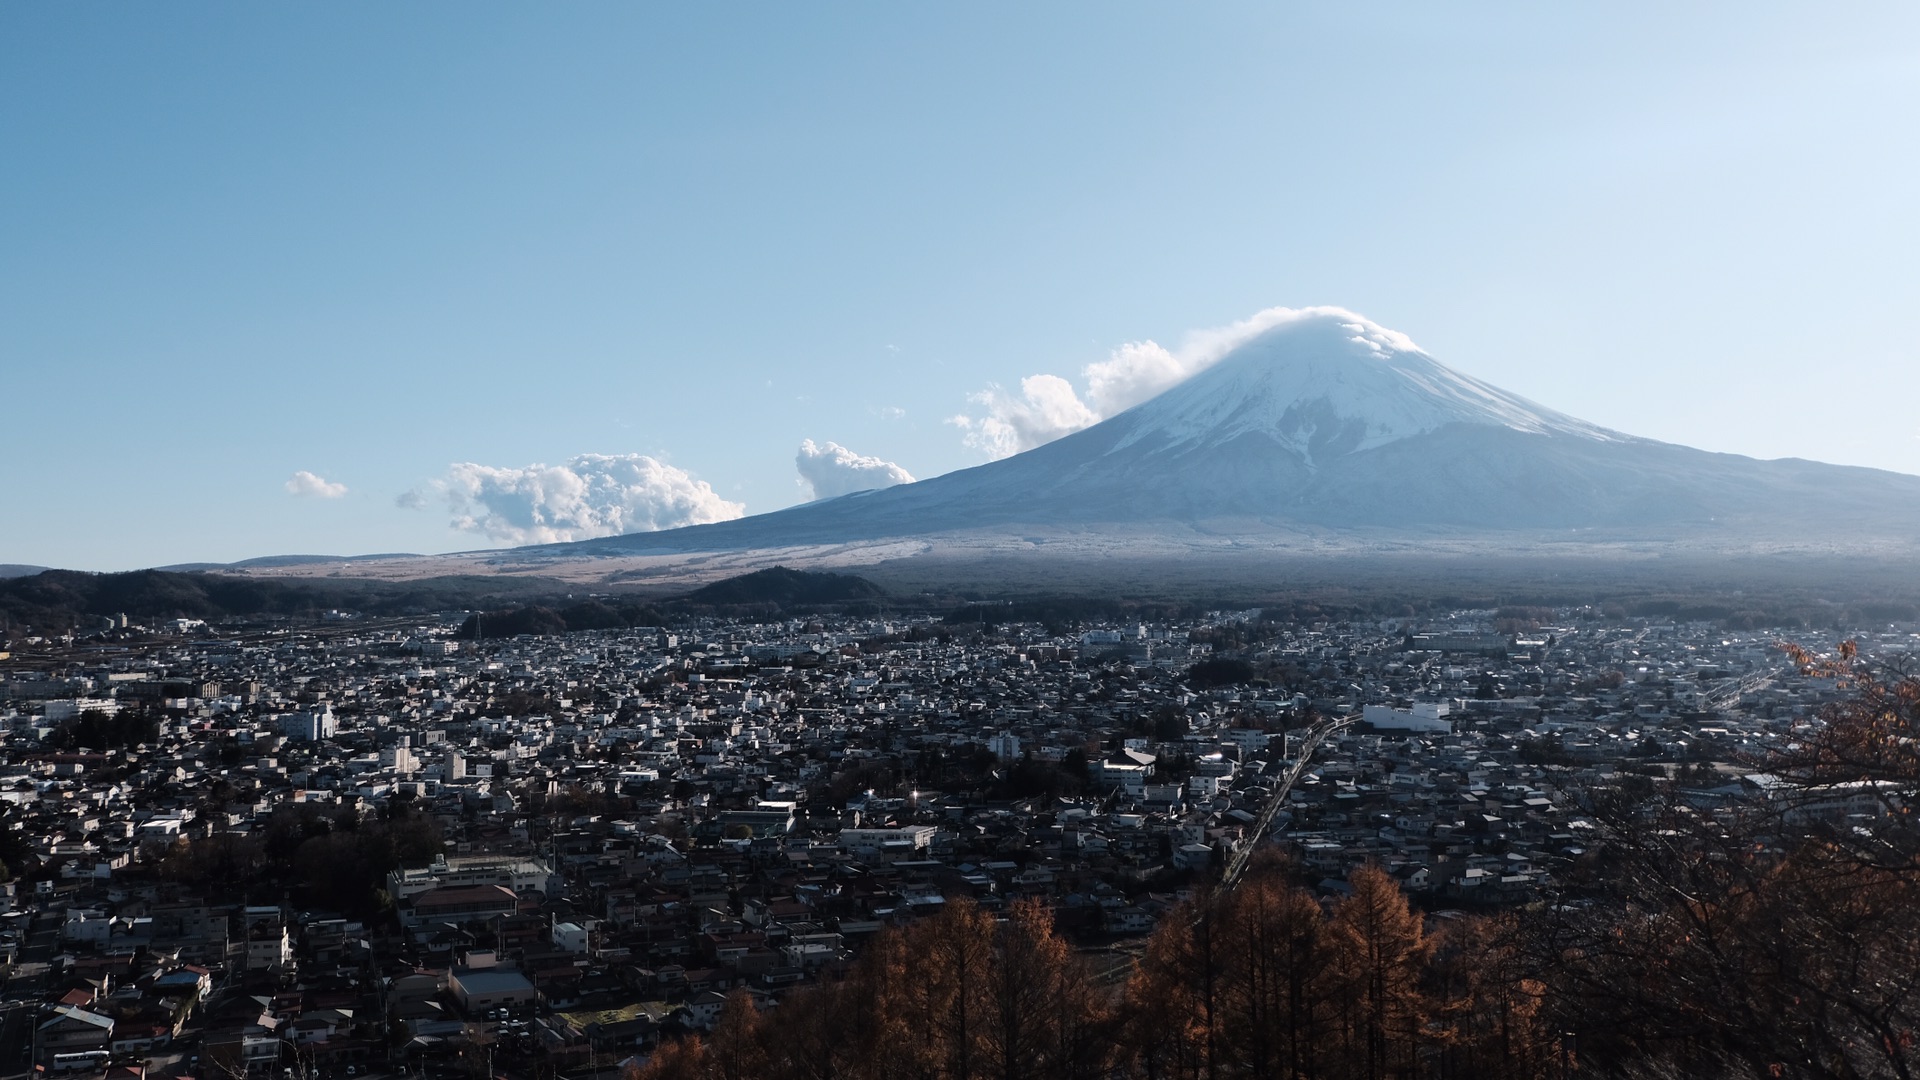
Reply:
x=543, y=619
x=784, y=587
x=58, y=599
x=775, y=592
x=62, y=598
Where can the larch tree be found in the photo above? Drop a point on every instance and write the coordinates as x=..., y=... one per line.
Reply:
x=952, y=961
x=1028, y=965
x=1173, y=1011
x=1081, y=1024
x=736, y=1052
x=1487, y=1004
x=1274, y=986
x=1776, y=935
x=820, y=1033
x=1379, y=952
x=680, y=1059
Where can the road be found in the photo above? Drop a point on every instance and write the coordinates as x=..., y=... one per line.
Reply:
x=1237, y=863
x=1116, y=963
x=25, y=988
x=1727, y=694
x=16, y=1043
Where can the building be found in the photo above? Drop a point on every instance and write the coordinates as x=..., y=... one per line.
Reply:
x=887, y=845
x=478, y=990
x=72, y=1039
x=317, y=725
x=570, y=937
x=1425, y=717
x=1127, y=770
x=521, y=875
x=269, y=948
x=1461, y=642
x=757, y=824
x=473, y=903
x=400, y=758
x=253, y=1049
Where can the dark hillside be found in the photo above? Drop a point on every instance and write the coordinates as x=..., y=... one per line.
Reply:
x=786, y=588
x=64, y=598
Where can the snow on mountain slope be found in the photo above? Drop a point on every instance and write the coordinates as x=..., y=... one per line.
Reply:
x=1330, y=381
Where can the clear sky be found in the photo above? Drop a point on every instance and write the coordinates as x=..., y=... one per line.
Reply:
x=282, y=278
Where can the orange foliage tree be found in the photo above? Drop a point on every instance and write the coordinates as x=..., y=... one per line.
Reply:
x=1379, y=952
x=1773, y=936
x=1275, y=1003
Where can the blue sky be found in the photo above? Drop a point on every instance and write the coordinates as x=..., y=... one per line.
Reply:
x=373, y=242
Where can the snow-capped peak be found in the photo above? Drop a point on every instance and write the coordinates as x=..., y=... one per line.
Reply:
x=1325, y=381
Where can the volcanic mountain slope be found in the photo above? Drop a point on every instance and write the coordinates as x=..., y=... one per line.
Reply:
x=1329, y=422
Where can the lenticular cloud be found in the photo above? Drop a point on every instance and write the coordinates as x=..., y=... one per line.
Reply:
x=829, y=469
x=1049, y=407
x=592, y=495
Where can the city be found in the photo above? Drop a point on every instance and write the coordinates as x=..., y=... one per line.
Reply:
x=359, y=846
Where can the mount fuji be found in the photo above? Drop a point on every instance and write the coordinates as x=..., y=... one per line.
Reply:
x=1330, y=426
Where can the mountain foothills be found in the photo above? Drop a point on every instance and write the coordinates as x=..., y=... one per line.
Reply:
x=509, y=606
x=60, y=599
x=782, y=587
x=1329, y=425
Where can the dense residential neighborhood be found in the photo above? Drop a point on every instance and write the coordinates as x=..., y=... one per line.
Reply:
x=354, y=846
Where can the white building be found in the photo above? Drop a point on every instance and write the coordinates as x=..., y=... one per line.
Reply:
x=462, y=871
x=268, y=948
x=887, y=845
x=1127, y=770
x=316, y=725
x=1425, y=717
x=1131, y=779
x=56, y=711
x=401, y=758
x=570, y=937
x=1005, y=746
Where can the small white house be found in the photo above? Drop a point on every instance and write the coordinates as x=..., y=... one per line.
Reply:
x=570, y=937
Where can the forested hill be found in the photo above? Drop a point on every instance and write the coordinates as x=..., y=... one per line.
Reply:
x=776, y=591
x=62, y=598
x=58, y=599
x=786, y=588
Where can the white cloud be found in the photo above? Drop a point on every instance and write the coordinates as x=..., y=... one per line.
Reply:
x=1049, y=406
x=308, y=485
x=1046, y=409
x=1133, y=373
x=829, y=469
x=592, y=495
